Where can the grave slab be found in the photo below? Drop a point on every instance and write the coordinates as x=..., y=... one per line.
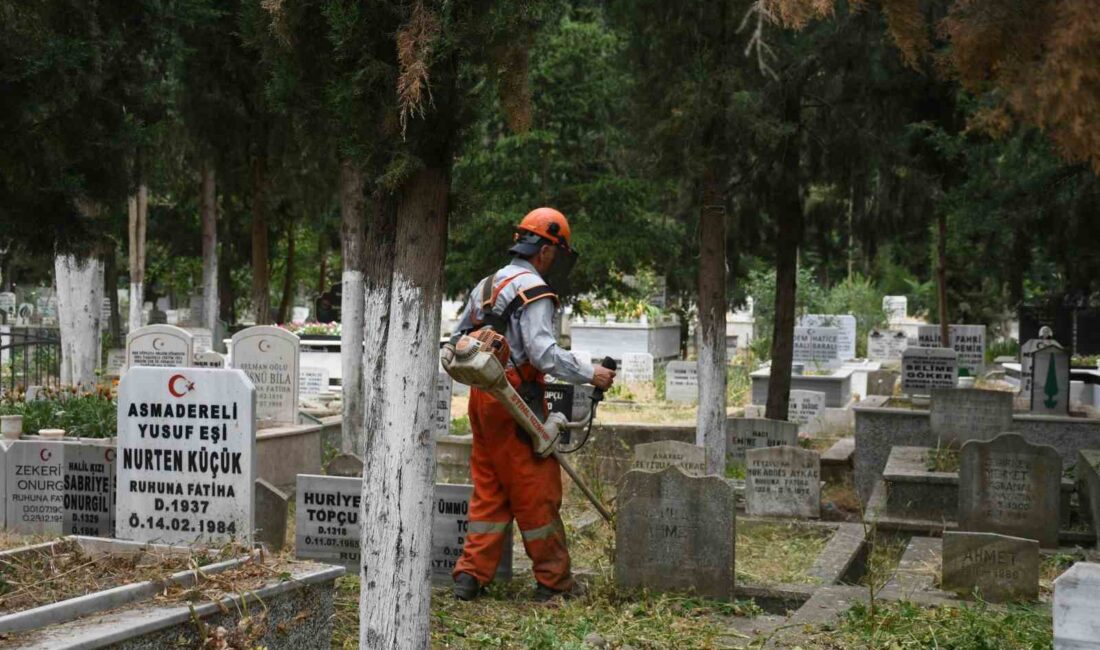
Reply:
x=783, y=482
x=1076, y=593
x=326, y=519
x=682, y=381
x=270, y=356
x=656, y=456
x=679, y=531
x=923, y=369
x=962, y=414
x=846, y=326
x=1011, y=487
x=186, y=456
x=272, y=509
x=805, y=406
x=754, y=433
x=89, y=501
x=637, y=367
x=312, y=381
x=1002, y=568
x=159, y=346
x=35, y=478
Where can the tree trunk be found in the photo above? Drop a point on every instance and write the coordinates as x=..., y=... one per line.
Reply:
x=398, y=475
x=208, y=200
x=110, y=291
x=353, y=243
x=288, y=277
x=378, y=279
x=138, y=206
x=787, y=206
x=322, y=267
x=227, y=298
x=711, y=418
x=941, y=278
x=260, y=279
x=79, y=301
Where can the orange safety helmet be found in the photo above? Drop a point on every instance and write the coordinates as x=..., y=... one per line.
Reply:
x=546, y=224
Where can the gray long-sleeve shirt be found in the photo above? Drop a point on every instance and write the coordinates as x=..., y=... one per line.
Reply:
x=531, y=328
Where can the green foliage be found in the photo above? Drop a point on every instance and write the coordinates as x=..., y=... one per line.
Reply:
x=1002, y=348
x=85, y=415
x=810, y=298
x=859, y=297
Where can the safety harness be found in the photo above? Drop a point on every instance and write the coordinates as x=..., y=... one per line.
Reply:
x=531, y=387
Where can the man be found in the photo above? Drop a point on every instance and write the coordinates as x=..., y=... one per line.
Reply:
x=509, y=479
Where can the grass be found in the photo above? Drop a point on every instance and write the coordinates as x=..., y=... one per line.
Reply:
x=970, y=627
x=886, y=552
x=942, y=459
x=507, y=618
x=779, y=553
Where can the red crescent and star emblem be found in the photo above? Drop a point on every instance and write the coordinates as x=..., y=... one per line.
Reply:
x=179, y=385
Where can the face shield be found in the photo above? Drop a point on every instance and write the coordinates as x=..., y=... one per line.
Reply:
x=565, y=258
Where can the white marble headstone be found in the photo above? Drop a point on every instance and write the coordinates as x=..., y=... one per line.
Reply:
x=202, y=337
x=967, y=340
x=896, y=308
x=846, y=338
x=1076, y=594
x=7, y=303
x=886, y=345
x=326, y=518
x=817, y=347
x=270, y=356
x=159, y=346
x=805, y=405
x=312, y=381
x=35, y=477
x=637, y=367
x=186, y=456
x=682, y=381
x=209, y=359
x=923, y=369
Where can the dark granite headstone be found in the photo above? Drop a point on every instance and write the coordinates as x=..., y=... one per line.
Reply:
x=271, y=515
x=675, y=533
x=1000, y=567
x=1011, y=487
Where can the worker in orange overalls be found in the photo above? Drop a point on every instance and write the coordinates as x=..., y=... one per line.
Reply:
x=519, y=301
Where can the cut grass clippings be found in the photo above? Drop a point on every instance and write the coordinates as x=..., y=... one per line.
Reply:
x=779, y=553
x=507, y=617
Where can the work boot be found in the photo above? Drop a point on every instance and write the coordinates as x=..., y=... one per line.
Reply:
x=466, y=587
x=545, y=594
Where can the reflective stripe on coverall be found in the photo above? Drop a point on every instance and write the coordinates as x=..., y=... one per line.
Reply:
x=511, y=481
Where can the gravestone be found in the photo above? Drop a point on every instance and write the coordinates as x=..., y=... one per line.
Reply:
x=805, y=405
x=846, y=337
x=116, y=363
x=896, y=308
x=1049, y=379
x=208, y=359
x=346, y=465
x=1076, y=593
x=1000, y=567
x=299, y=315
x=783, y=482
x=656, y=456
x=442, y=418
x=450, y=524
x=967, y=340
x=186, y=449
x=886, y=345
x=312, y=382
x=270, y=357
x=882, y=382
x=682, y=381
x=89, y=495
x=326, y=519
x=637, y=367
x=559, y=399
x=35, y=476
x=923, y=369
x=272, y=506
x=817, y=347
x=680, y=533
x=203, y=338
x=1088, y=486
x=755, y=433
x=1011, y=487
x=104, y=313
x=961, y=414
x=159, y=346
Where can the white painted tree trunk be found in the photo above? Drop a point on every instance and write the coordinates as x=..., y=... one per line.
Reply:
x=79, y=301
x=711, y=415
x=209, y=214
x=138, y=209
x=399, y=466
x=353, y=243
